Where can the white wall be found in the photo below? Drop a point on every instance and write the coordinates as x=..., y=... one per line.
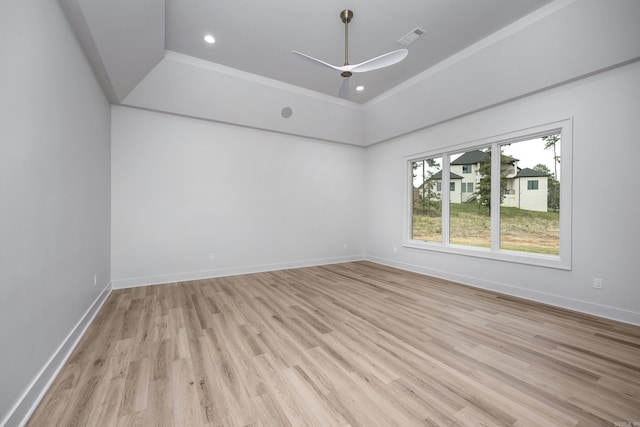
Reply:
x=561, y=41
x=605, y=108
x=183, y=188
x=54, y=196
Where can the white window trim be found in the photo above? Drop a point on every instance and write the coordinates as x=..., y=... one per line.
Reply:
x=562, y=261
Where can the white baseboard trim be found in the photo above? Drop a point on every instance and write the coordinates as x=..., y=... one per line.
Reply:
x=29, y=400
x=613, y=313
x=223, y=272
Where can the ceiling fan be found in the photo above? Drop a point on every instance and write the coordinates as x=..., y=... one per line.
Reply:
x=347, y=69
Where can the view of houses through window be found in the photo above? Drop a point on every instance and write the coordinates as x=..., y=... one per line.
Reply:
x=528, y=195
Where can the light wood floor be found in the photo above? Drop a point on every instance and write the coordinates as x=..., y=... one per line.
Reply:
x=354, y=344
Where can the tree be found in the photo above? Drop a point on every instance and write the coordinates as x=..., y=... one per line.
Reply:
x=483, y=192
x=542, y=168
x=551, y=142
x=429, y=195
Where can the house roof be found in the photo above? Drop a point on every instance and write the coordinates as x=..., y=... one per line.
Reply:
x=438, y=175
x=470, y=157
x=477, y=156
x=530, y=173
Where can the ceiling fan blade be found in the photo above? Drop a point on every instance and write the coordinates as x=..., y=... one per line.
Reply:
x=343, y=92
x=380, y=61
x=317, y=61
x=346, y=70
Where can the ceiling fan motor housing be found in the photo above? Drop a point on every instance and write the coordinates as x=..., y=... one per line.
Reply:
x=346, y=16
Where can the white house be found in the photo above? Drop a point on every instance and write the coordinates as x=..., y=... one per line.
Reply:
x=436, y=182
x=468, y=166
x=528, y=189
x=525, y=188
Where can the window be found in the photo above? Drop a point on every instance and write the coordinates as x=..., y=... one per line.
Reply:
x=426, y=205
x=466, y=168
x=530, y=211
x=452, y=186
x=496, y=215
x=469, y=223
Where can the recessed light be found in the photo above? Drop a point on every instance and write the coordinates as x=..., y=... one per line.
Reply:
x=209, y=39
x=360, y=88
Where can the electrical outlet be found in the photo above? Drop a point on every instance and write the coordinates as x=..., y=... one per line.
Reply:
x=345, y=246
x=212, y=256
x=597, y=283
x=95, y=279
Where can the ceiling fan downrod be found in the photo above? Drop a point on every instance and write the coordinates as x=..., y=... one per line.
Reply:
x=346, y=16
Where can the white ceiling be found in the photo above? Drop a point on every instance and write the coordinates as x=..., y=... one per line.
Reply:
x=124, y=39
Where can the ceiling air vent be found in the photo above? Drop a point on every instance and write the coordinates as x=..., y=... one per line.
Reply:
x=414, y=35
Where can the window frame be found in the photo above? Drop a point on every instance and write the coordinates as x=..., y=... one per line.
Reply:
x=467, y=187
x=561, y=261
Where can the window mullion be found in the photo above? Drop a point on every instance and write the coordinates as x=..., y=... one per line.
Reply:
x=446, y=197
x=495, y=196
x=408, y=223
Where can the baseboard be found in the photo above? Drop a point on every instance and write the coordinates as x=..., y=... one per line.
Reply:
x=224, y=272
x=27, y=403
x=613, y=313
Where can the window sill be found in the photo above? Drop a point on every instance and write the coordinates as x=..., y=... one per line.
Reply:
x=538, y=260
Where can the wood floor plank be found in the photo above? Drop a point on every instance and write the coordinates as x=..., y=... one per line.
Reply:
x=161, y=404
x=105, y=414
x=354, y=344
x=136, y=387
x=186, y=405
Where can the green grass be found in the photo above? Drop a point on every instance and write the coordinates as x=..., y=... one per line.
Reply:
x=520, y=230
